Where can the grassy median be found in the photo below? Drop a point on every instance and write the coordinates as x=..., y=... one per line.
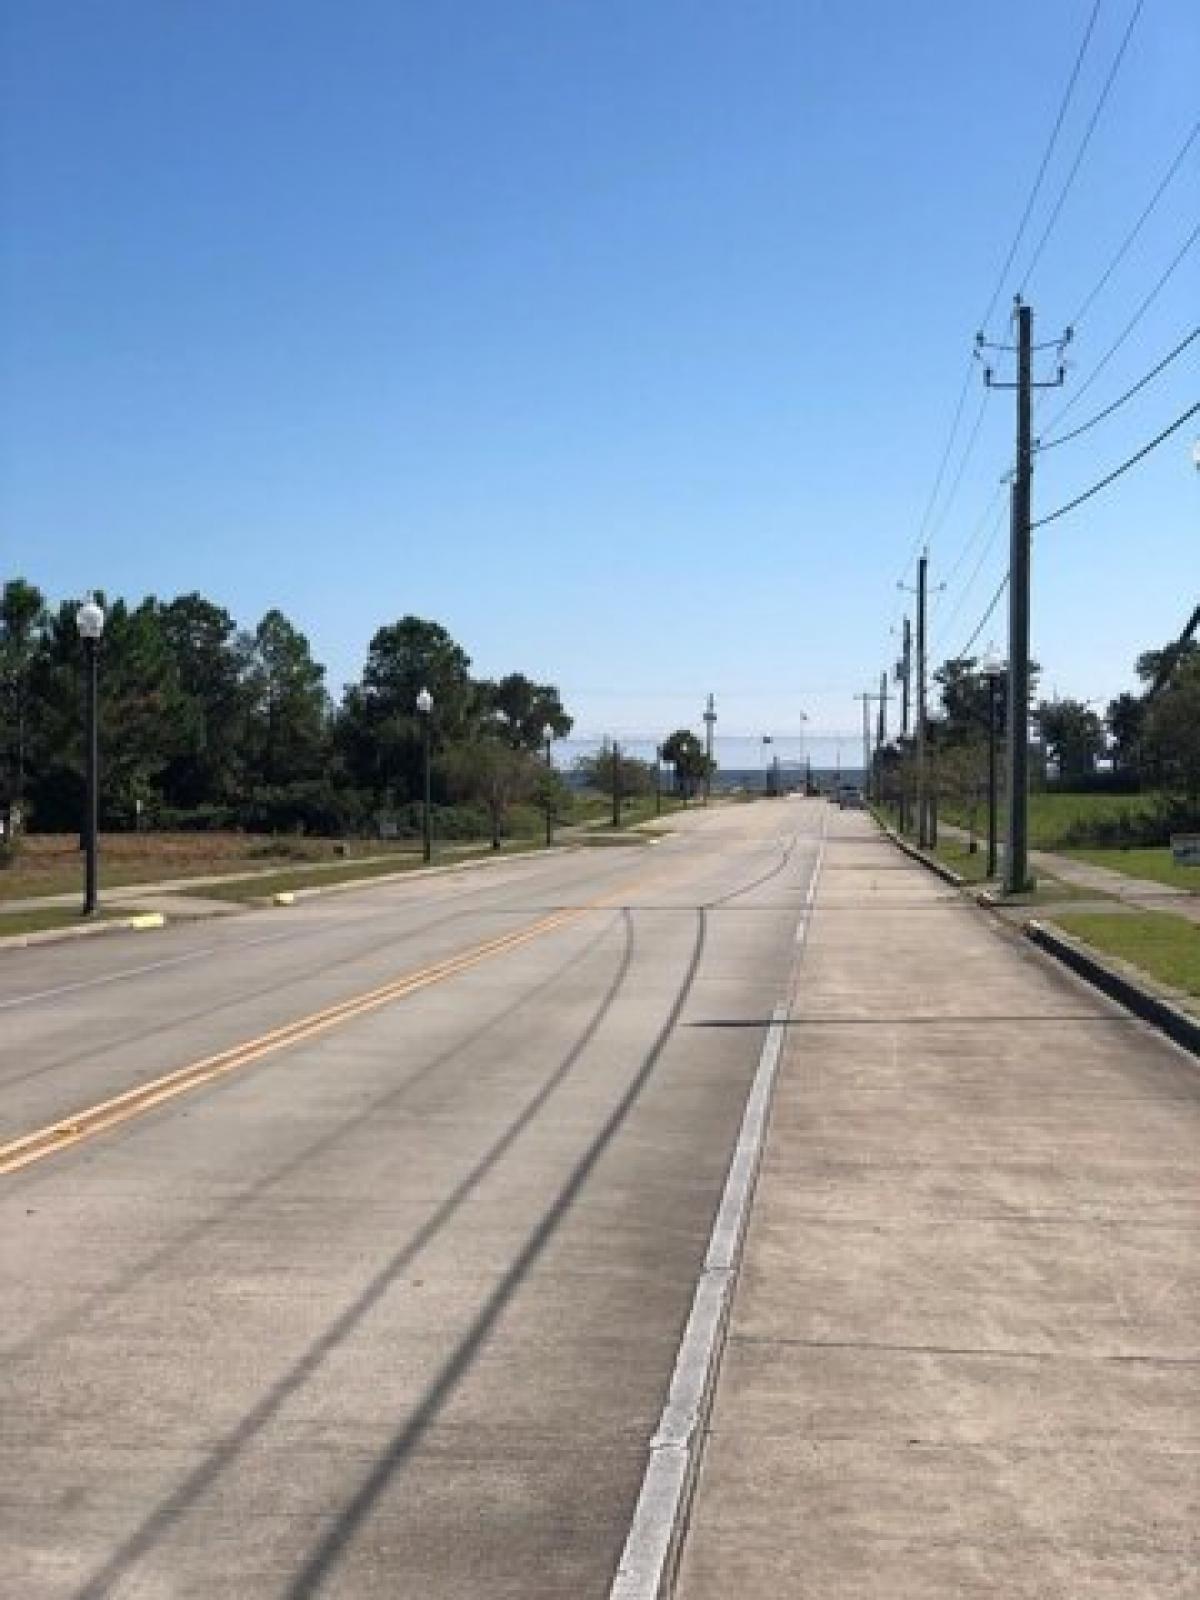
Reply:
x=264, y=886
x=1164, y=946
x=52, y=917
x=956, y=855
x=50, y=864
x=1153, y=864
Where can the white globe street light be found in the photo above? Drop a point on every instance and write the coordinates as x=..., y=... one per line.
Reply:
x=547, y=740
x=89, y=619
x=425, y=707
x=993, y=668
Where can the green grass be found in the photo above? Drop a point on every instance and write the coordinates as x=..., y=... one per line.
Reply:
x=596, y=809
x=18, y=922
x=264, y=886
x=1166, y=947
x=1051, y=816
x=49, y=864
x=954, y=854
x=1154, y=864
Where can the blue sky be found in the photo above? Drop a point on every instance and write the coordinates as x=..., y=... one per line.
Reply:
x=621, y=338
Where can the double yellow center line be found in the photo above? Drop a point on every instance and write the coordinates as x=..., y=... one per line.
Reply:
x=86, y=1124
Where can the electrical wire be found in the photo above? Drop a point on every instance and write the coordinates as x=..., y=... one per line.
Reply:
x=1111, y=477
x=941, y=471
x=1002, y=276
x=1065, y=438
x=940, y=520
x=976, y=531
x=983, y=621
x=1127, y=242
x=1083, y=144
x=1128, y=328
x=989, y=546
x=1045, y=162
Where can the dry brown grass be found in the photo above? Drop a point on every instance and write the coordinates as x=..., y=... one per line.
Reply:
x=53, y=863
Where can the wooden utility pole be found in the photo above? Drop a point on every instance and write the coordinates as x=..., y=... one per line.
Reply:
x=922, y=798
x=905, y=676
x=710, y=717
x=1016, y=854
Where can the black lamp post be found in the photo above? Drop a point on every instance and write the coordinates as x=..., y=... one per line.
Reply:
x=89, y=619
x=658, y=780
x=425, y=711
x=547, y=738
x=992, y=669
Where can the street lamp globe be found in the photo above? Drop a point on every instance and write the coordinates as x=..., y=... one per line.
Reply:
x=424, y=702
x=89, y=619
x=991, y=666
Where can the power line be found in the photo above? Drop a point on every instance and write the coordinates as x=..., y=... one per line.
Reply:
x=941, y=471
x=1035, y=190
x=984, y=619
x=1045, y=162
x=1083, y=144
x=1127, y=242
x=1171, y=269
x=989, y=546
x=940, y=520
x=979, y=528
x=1065, y=438
x=1111, y=477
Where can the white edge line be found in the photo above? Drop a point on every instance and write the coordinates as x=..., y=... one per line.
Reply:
x=673, y=1449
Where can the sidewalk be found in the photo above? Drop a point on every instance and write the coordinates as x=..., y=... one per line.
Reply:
x=1142, y=894
x=963, y=1357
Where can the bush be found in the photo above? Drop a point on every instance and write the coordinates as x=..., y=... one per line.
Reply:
x=195, y=819
x=1096, y=783
x=1125, y=830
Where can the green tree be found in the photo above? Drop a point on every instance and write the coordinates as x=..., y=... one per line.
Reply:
x=143, y=716
x=1171, y=734
x=210, y=664
x=1156, y=666
x=1073, y=735
x=379, y=731
x=526, y=708
x=22, y=619
x=597, y=770
x=686, y=755
x=289, y=709
x=493, y=773
x=1124, y=718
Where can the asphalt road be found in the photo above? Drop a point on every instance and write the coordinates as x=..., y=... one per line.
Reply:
x=379, y=1291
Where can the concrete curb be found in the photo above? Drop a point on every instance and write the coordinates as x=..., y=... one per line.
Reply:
x=140, y=921
x=1143, y=1002
x=1127, y=992
x=289, y=897
x=947, y=874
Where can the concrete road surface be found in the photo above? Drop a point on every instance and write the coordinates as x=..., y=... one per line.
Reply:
x=963, y=1361
x=369, y=1275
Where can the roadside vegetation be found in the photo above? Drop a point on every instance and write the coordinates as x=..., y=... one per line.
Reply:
x=213, y=737
x=1165, y=947
x=1111, y=790
x=47, y=918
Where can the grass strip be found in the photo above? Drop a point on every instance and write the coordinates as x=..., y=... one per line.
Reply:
x=48, y=918
x=1164, y=946
x=1155, y=865
x=265, y=886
